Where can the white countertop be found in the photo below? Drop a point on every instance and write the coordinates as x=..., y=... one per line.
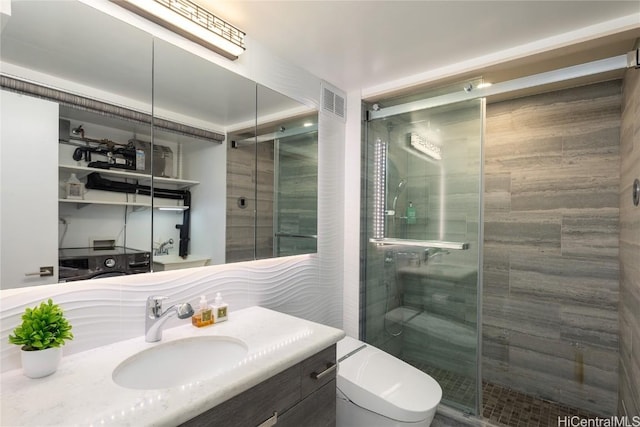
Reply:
x=82, y=391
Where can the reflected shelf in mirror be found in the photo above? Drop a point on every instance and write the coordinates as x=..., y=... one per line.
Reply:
x=83, y=171
x=82, y=203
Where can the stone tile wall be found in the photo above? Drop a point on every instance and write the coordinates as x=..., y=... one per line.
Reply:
x=629, y=248
x=551, y=270
x=241, y=182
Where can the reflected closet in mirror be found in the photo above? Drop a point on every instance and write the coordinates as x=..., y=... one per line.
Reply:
x=75, y=92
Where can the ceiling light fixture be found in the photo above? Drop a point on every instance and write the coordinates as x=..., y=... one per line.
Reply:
x=191, y=22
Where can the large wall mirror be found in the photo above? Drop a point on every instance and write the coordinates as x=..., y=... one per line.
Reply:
x=122, y=154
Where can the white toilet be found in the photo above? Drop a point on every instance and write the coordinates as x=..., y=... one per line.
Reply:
x=376, y=389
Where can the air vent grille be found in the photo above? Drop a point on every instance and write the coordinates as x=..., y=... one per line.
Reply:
x=328, y=100
x=339, y=106
x=333, y=102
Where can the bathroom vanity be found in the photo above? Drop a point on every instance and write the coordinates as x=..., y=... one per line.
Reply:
x=286, y=378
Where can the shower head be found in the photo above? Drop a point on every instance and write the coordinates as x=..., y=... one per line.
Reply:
x=401, y=185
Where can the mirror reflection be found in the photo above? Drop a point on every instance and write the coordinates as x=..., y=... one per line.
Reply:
x=197, y=93
x=55, y=226
x=130, y=140
x=272, y=180
x=293, y=135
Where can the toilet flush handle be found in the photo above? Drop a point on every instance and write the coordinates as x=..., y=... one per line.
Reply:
x=330, y=368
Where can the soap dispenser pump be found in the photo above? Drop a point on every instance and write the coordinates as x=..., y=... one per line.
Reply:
x=204, y=315
x=219, y=309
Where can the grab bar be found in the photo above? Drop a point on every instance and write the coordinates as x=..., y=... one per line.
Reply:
x=300, y=236
x=441, y=244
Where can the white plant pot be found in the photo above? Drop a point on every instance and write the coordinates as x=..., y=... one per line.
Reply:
x=40, y=363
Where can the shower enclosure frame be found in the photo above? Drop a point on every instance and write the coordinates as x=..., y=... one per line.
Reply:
x=376, y=113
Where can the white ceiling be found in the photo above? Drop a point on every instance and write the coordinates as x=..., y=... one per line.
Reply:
x=362, y=44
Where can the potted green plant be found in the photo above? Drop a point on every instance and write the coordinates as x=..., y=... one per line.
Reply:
x=42, y=334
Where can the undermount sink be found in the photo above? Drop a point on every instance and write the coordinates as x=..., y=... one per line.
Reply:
x=179, y=362
x=175, y=262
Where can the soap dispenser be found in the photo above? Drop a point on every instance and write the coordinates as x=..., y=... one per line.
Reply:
x=219, y=309
x=411, y=214
x=204, y=315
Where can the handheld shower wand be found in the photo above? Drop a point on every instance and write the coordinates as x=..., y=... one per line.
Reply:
x=399, y=190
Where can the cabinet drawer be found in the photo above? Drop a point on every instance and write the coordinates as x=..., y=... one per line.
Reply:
x=250, y=408
x=317, y=410
x=323, y=363
x=294, y=388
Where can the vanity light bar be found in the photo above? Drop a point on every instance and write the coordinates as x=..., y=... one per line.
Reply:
x=191, y=22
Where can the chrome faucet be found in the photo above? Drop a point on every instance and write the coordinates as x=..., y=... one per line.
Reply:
x=432, y=253
x=163, y=248
x=155, y=318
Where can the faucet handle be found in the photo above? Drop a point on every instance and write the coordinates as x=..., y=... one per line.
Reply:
x=154, y=305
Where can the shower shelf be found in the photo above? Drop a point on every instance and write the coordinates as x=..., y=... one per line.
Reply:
x=441, y=244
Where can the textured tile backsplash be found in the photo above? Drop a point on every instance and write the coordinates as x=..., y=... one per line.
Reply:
x=551, y=273
x=110, y=310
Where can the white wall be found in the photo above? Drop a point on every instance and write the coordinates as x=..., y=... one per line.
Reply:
x=352, y=184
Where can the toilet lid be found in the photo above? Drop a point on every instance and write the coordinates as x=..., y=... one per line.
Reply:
x=383, y=384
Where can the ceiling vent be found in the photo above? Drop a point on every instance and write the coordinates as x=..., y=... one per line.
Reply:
x=333, y=101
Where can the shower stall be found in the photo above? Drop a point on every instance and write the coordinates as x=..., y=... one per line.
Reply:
x=422, y=234
x=550, y=329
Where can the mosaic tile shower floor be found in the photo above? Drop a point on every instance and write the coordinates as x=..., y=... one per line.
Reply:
x=503, y=406
x=507, y=407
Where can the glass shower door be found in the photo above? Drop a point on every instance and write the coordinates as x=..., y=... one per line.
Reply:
x=296, y=183
x=423, y=227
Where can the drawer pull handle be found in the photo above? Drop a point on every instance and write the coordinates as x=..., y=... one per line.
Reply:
x=271, y=421
x=330, y=368
x=44, y=272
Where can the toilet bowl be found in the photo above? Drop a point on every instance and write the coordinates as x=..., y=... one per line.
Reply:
x=375, y=389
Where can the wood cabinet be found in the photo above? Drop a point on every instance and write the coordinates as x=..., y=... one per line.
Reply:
x=292, y=398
